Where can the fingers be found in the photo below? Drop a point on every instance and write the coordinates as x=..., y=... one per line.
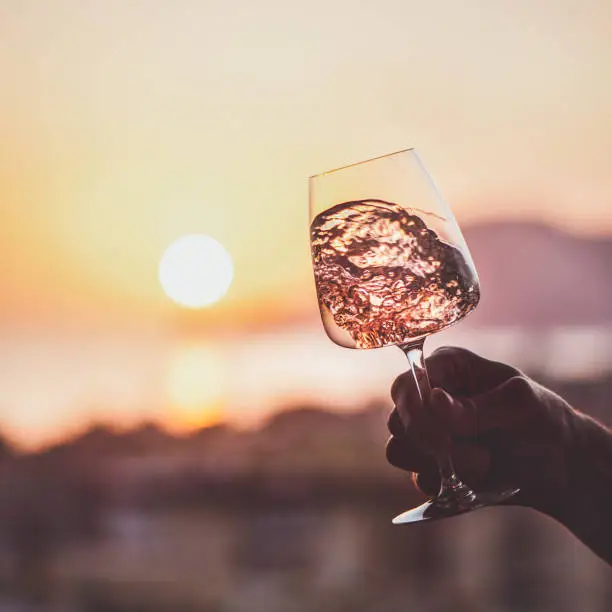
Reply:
x=473, y=463
x=459, y=371
x=405, y=396
x=405, y=456
x=428, y=482
x=494, y=398
x=423, y=468
x=395, y=426
x=504, y=407
x=407, y=448
x=462, y=372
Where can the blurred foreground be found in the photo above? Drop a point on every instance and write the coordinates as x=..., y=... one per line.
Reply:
x=292, y=517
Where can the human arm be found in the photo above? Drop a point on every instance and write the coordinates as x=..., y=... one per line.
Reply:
x=504, y=429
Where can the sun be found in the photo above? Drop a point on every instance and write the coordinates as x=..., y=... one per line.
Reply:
x=196, y=271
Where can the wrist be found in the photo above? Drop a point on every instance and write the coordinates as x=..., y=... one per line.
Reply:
x=585, y=505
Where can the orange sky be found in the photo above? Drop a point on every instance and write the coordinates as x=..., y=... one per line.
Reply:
x=126, y=124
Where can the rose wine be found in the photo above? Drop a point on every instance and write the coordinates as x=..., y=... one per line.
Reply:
x=383, y=277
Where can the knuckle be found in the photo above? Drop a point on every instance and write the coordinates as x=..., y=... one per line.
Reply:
x=399, y=385
x=511, y=370
x=521, y=389
x=449, y=353
x=393, y=452
x=444, y=364
x=395, y=389
x=446, y=350
x=394, y=424
x=441, y=356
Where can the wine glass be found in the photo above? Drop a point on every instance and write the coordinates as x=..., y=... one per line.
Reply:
x=391, y=267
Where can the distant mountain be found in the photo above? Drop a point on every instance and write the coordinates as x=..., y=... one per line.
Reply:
x=6, y=449
x=302, y=440
x=104, y=440
x=310, y=440
x=296, y=451
x=536, y=275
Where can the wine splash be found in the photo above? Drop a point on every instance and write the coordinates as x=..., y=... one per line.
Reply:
x=385, y=277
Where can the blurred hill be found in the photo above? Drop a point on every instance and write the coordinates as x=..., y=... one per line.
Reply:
x=302, y=441
x=145, y=519
x=6, y=449
x=295, y=452
x=533, y=275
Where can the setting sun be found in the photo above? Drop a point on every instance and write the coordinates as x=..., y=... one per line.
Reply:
x=195, y=271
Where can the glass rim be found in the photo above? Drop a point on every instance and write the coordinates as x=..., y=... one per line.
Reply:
x=364, y=161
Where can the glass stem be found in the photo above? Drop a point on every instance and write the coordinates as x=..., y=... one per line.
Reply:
x=450, y=485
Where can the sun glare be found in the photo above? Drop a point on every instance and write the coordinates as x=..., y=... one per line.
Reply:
x=196, y=386
x=195, y=271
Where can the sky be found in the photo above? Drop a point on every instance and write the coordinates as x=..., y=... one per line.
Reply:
x=125, y=124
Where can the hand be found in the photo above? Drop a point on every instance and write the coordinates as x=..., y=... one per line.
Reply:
x=502, y=429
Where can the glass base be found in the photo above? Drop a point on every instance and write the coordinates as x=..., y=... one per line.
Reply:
x=457, y=502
